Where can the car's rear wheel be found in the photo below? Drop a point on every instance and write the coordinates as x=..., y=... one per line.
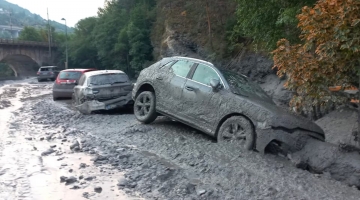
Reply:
x=55, y=98
x=238, y=130
x=144, y=107
x=39, y=80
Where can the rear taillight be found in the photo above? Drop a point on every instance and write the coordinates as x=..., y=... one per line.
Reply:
x=38, y=73
x=57, y=81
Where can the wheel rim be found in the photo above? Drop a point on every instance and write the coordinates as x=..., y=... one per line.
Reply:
x=143, y=105
x=234, y=133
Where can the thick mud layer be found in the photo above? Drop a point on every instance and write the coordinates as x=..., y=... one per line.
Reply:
x=163, y=160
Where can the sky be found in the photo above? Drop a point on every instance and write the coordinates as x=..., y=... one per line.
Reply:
x=71, y=10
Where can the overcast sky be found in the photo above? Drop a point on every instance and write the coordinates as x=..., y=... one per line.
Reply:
x=71, y=10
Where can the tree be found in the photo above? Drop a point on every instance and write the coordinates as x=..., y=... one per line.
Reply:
x=265, y=22
x=30, y=34
x=328, y=55
x=83, y=50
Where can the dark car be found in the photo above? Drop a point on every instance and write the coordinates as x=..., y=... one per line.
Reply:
x=65, y=82
x=102, y=90
x=220, y=103
x=47, y=72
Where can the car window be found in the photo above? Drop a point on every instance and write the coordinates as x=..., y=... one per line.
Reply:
x=44, y=69
x=203, y=74
x=167, y=64
x=69, y=75
x=181, y=68
x=105, y=79
x=82, y=80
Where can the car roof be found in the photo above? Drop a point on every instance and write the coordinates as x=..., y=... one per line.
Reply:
x=192, y=59
x=99, y=72
x=48, y=66
x=76, y=70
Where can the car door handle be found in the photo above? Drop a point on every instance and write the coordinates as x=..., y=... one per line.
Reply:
x=189, y=88
x=159, y=78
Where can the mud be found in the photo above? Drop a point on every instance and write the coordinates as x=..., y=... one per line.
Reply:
x=164, y=160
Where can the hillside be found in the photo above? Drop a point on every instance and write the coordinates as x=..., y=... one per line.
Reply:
x=12, y=14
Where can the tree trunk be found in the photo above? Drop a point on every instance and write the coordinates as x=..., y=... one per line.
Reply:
x=358, y=131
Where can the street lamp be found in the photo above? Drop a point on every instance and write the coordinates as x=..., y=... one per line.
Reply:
x=66, y=63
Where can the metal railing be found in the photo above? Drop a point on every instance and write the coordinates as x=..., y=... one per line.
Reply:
x=25, y=43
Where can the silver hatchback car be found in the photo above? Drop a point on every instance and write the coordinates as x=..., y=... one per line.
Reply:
x=102, y=90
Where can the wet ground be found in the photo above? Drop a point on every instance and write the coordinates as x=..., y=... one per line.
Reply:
x=50, y=151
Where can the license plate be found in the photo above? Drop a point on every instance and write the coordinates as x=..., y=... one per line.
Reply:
x=108, y=107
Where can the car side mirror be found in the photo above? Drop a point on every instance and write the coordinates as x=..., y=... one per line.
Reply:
x=215, y=84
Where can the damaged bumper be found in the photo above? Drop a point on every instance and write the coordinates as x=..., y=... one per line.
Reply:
x=295, y=139
x=94, y=105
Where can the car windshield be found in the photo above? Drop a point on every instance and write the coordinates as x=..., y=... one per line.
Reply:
x=69, y=75
x=241, y=85
x=105, y=79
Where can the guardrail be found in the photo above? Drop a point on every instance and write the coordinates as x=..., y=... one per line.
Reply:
x=25, y=43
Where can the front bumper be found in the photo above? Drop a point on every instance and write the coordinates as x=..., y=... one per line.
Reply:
x=94, y=105
x=295, y=140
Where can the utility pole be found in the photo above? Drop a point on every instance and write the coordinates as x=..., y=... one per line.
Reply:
x=66, y=43
x=11, y=33
x=49, y=32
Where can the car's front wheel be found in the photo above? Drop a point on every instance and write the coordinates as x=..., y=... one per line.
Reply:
x=238, y=130
x=144, y=107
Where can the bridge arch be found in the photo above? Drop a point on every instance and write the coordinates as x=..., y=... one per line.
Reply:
x=22, y=65
x=24, y=57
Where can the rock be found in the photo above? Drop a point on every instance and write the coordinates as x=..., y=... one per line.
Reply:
x=82, y=165
x=75, y=187
x=122, y=182
x=63, y=179
x=47, y=152
x=64, y=165
x=98, y=189
x=64, y=140
x=71, y=179
x=62, y=158
x=81, y=177
x=42, y=138
x=74, y=145
x=71, y=170
x=90, y=178
x=48, y=137
x=28, y=138
x=76, y=149
x=200, y=192
x=85, y=195
x=53, y=146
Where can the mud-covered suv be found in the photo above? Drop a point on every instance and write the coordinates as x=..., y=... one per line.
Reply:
x=220, y=103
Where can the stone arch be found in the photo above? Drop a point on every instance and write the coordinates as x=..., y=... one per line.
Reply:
x=22, y=65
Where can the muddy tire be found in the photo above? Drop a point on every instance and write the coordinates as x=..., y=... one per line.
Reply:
x=144, y=107
x=239, y=130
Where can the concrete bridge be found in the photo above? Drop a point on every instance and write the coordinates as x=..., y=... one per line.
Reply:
x=25, y=57
x=13, y=30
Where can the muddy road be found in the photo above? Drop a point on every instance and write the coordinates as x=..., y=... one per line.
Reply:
x=50, y=151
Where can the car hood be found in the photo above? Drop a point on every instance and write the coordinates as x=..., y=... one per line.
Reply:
x=281, y=118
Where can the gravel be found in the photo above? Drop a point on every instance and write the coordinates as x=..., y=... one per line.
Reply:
x=168, y=160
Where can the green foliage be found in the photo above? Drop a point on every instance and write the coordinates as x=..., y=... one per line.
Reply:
x=5, y=70
x=265, y=22
x=83, y=50
x=30, y=34
x=119, y=38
